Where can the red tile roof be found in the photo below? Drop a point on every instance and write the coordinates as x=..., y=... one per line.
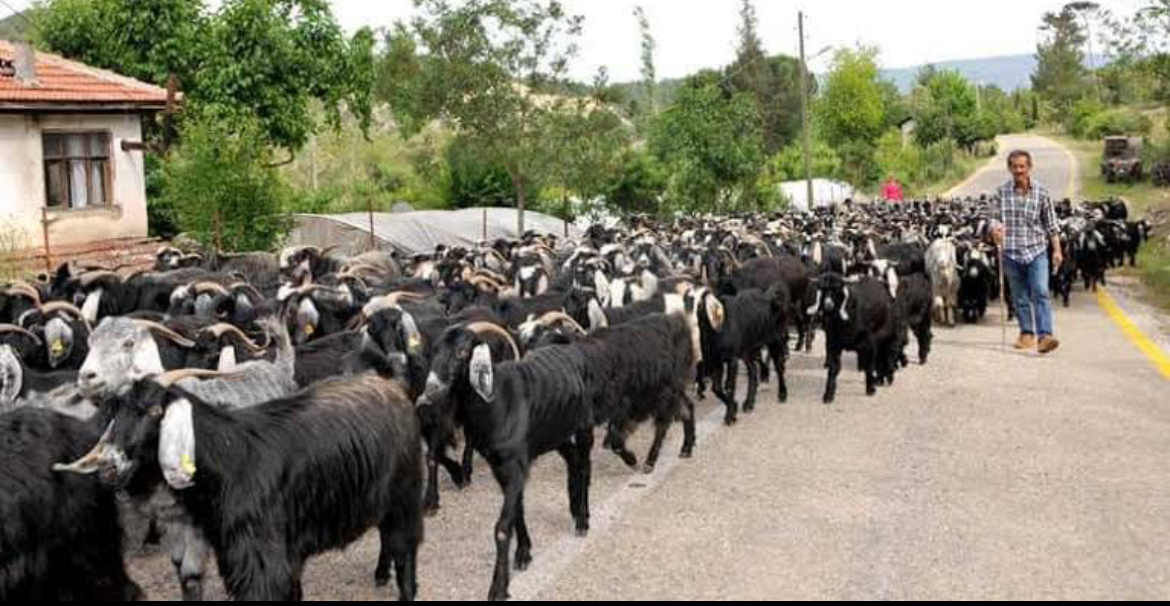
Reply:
x=64, y=82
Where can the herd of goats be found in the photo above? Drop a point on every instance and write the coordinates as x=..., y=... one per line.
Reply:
x=267, y=408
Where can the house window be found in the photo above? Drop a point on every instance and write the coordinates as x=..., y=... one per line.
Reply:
x=77, y=170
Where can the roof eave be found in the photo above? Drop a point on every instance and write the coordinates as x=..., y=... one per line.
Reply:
x=58, y=107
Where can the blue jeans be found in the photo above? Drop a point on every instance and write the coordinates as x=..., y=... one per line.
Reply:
x=1029, y=284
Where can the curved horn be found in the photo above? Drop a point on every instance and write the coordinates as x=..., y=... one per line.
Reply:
x=25, y=289
x=166, y=333
x=391, y=300
x=219, y=330
x=205, y=287
x=248, y=289
x=168, y=380
x=13, y=329
x=480, y=328
x=67, y=309
x=559, y=316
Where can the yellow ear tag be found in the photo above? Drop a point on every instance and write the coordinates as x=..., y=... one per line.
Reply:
x=187, y=465
x=57, y=347
x=310, y=329
x=413, y=343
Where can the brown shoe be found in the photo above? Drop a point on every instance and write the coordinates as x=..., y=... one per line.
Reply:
x=1026, y=342
x=1048, y=345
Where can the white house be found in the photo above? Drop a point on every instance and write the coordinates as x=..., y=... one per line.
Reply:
x=70, y=142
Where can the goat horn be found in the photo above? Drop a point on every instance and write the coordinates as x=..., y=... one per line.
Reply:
x=554, y=316
x=66, y=308
x=167, y=380
x=480, y=328
x=249, y=289
x=205, y=287
x=25, y=289
x=219, y=330
x=167, y=333
x=11, y=328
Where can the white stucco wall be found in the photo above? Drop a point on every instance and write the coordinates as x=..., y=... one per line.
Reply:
x=22, y=181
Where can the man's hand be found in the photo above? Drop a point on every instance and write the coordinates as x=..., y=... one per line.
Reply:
x=999, y=234
x=1057, y=260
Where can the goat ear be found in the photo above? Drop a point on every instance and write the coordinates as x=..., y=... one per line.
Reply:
x=601, y=284
x=482, y=373
x=227, y=359
x=716, y=314
x=411, y=334
x=11, y=376
x=597, y=319
x=176, y=445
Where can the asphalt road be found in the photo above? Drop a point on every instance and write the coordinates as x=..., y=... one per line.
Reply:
x=986, y=474
x=1054, y=166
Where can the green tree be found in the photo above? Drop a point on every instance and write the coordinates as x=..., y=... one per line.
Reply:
x=483, y=60
x=946, y=107
x=267, y=61
x=711, y=143
x=220, y=186
x=649, y=71
x=639, y=184
x=788, y=165
x=585, y=142
x=850, y=109
x=1061, y=77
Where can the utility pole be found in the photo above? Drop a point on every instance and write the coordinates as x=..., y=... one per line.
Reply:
x=804, y=114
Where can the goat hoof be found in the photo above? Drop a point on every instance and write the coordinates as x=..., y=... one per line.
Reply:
x=629, y=459
x=686, y=454
x=730, y=421
x=581, y=532
x=381, y=581
x=523, y=561
x=829, y=400
x=646, y=469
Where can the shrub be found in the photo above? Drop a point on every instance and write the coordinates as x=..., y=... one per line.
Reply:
x=222, y=187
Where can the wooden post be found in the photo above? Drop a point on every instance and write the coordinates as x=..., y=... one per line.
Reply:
x=485, y=224
x=370, y=210
x=45, y=221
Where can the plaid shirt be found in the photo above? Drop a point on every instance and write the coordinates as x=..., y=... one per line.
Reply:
x=1029, y=219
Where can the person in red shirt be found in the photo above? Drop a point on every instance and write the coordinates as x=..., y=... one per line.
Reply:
x=892, y=190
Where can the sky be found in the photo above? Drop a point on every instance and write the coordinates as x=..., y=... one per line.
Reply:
x=693, y=34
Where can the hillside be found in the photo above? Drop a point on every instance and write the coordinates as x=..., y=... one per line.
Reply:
x=1009, y=73
x=13, y=27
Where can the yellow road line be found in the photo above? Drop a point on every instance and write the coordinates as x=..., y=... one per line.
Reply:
x=1155, y=354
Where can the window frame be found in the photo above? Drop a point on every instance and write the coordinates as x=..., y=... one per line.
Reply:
x=63, y=161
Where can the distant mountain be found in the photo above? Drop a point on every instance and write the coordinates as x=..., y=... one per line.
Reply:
x=13, y=27
x=1009, y=73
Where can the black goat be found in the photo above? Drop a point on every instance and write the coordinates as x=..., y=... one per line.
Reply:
x=857, y=316
x=272, y=485
x=61, y=536
x=751, y=320
x=513, y=413
x=912, y=311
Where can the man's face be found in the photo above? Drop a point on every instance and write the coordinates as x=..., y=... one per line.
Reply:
x=1021, y=169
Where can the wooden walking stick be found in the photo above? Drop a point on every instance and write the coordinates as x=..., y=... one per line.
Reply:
x=1003, y=303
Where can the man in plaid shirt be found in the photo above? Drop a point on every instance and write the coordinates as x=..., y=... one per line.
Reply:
x=1026, y=225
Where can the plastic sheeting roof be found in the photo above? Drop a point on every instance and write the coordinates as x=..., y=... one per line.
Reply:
x=420, y=231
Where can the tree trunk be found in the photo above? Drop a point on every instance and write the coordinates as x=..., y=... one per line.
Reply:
x=518, y=183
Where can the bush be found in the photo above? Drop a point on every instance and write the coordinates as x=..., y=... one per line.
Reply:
x=1118, y=122
x=788, y=165
x=903, y=162
x=222, y=188
x=638, y=186
x=1083, y=114
x=938, y=160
